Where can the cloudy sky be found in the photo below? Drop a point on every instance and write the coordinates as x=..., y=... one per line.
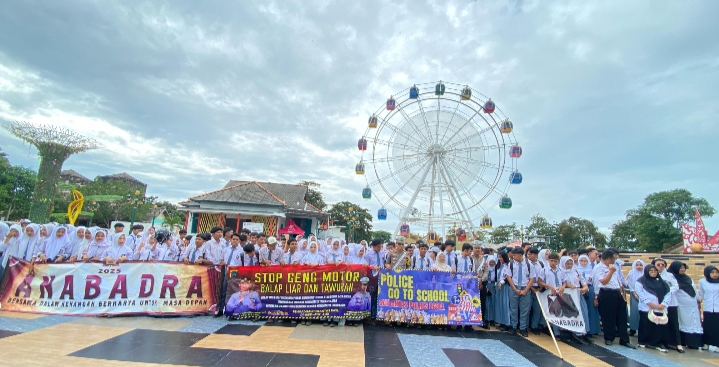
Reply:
x=611, y=100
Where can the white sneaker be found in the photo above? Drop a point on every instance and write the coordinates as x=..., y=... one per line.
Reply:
x=641, y=345
x=662, y=350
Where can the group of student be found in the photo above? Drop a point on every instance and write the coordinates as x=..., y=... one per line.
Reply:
x=508, y=277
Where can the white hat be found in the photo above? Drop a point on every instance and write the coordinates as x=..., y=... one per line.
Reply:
x=271, y=240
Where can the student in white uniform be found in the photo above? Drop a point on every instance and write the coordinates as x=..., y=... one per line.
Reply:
x=195, y=253
x=118, y=252
x=709, y=290
x=292, y=257
x=270, y=254
x=520, y=277
x=146, y=250
x=213, y=247
x=232, y=254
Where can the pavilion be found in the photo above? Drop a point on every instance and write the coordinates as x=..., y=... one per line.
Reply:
x=239, y=202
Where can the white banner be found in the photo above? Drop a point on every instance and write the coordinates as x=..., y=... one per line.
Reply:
x=254, y=227
x=565, y=311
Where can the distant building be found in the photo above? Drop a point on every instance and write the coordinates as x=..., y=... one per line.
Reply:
x=126, y=178
x=240, y=202
x=72, y=177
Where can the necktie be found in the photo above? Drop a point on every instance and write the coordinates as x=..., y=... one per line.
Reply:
x=290, y=260
x=519, y=281
x=556, y=279
x=378, y=262
x=194, y=252
x=421, y=266
x=466, y=264
x=252, y=261
x=230, y=258
x=269, y=255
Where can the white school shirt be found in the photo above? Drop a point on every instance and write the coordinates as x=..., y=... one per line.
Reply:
x=115, y=252
x=290, y=258
x=513, y=271
x=165, y=253
x=132, y=241
x=462, y=261
x=710, y=293
x=195, y=252
x=420, y=263
x=548, y=276
x=600, y=271
x=276, y=254
x=213, y=251
x=451, y=258
x=673, y=287
x=645, y=297
x=231, y=255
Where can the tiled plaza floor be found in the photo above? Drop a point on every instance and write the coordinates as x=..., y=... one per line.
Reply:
x=37, y=340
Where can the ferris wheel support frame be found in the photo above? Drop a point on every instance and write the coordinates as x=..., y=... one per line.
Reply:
x=439, y=186
x=411, y=202
x=459, y=200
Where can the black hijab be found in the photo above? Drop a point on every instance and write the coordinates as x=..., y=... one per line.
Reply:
x=654, y=285
x=685, y=282
x=707, y=274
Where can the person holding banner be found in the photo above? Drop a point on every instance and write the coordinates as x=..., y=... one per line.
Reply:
x=520, y=277
x=448, y=249
x=292, y=257
x=118, y=252
x=146, y=250
x=9, y=246
x=571, y=279
x=195, y=253
x=271, y=255
x=231, y=254
x=421, y=261
x=653, y=295
x=55, y=246
x=99, y=245
x=441, y=263
x=334, y=255
x=313, y=257
x=375, y=262
x=28, y=241
x=612, y=304
x=214, y=247
x=83, y=247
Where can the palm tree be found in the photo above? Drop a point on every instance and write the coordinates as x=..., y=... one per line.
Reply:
x=173, y=222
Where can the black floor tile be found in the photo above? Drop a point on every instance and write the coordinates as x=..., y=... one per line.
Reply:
x=107, y=350
x=294, y=360
x=159, y=337
x=285, y=323
x=6, y=333
x=153, y=353
x=384, y=351
x=245, y=358
x=608, y=356
x=238, y=329
x=204, y=357
x=381, y=339
x=467, y=358
x=384, y=362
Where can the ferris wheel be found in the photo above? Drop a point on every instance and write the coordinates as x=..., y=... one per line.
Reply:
x=436, y=154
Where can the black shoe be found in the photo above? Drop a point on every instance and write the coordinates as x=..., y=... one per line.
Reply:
x=680, y=350
x=630, y=346
x=578, y=339
x=512, y=331
x=607, y=342
x=523, y=333
x=586, y=339
x=632, y=332
x=502, y=328
x=485, y=326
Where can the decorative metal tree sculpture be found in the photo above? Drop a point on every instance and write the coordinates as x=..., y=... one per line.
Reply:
x=54, y=146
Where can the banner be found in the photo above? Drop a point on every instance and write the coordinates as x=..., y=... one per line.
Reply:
x=429, y=297
x=565, y=311
x=254, y=227
x=149, y=288
x=286, y=292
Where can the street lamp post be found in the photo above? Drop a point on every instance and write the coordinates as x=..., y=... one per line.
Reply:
x=134, y=200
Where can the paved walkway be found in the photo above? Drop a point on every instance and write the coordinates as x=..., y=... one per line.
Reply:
x=37, y=340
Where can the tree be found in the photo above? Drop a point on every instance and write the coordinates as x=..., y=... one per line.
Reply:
x=482, y=235
x=356, y=220
x=382, y=235
x=173, y=222
x=676, y=206
x=4, y=161
x=314, y=196
x=54, y=146
x=540, y=227
x=655, y=224
x=576, y=233
x=170, y=208
x=16, y=188
x=504, y=233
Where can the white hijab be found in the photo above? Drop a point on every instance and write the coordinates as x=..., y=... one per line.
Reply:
x=11, y=248
x=54, y=244
x=26, y=244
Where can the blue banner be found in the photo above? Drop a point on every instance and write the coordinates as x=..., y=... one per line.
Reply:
x=429, y=297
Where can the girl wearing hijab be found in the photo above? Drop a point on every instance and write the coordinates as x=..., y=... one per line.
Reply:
x=441, y=263
x=491, y=288
x=634, y=274
x=56, y=247
x=99, y=245
x=303, y=246
x=75, y=239
x=571, y=278
x=334, y=255
x=501, y=298
x=654, y=295
x=4, y=229
x=84, y=246
x=673, y=311
x=585, y=269
x=28, y=242
x=543, y=257
x=346, y=253
x=45, y=232
x=9, y=246
x=709, y=287
x=118, y=251
x=690, y=323
x=357, y=256
x=147, y=249
x=313, y=257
